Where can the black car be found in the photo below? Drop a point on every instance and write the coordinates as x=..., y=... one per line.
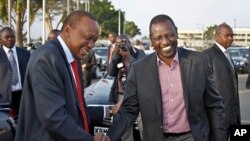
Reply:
x=239, y=57
x=97, y=95
x=7, y=125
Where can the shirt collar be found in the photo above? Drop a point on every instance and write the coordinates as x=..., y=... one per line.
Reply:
x=66, y=50
x=6, y=49
x=175, y=59
x=221, y=47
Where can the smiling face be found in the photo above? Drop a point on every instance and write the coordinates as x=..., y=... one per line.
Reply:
x=163, y=36
x=81, y=37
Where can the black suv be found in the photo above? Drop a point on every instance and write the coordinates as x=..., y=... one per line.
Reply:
x=240, y=56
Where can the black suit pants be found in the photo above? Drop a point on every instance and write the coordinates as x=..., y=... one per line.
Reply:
x=15, y=102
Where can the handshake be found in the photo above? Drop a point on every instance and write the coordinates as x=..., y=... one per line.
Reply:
x=101, y=137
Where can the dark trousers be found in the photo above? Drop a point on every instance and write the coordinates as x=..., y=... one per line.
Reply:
x=15, y=101
x=248, y=81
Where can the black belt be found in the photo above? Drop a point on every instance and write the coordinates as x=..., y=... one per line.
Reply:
x=175, y=134
x=18, y=91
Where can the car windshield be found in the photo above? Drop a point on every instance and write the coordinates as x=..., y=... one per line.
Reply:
x=237, y=52
x=234, y=53
x=100, y=51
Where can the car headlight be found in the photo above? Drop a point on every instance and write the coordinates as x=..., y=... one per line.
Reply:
x=241, y=62
x=103, y=61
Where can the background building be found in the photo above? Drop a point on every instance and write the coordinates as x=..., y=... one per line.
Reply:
x=196, y=37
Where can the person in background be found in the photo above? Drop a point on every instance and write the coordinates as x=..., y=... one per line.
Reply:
x=123, y=56
x=88, y=65
x=112, y=39
x=53, y=34
x=248, y=77
x=52, y=106
x=174, y=90
x=185, y=45
x=225, y=75
x=138, y=44
x=13, y=64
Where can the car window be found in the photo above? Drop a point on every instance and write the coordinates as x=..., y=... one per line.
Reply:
x=234, y=53
x=101, y=52
x=238, y=52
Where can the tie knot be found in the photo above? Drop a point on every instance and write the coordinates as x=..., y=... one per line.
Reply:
x=74, y=63
x=10, y=51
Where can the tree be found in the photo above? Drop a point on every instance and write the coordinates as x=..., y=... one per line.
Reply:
x=131, y=29
x=18, y=16
x=55, y=9
x=209, y=33
x=107, y=17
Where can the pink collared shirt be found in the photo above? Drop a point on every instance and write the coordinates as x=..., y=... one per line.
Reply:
x=174, y=112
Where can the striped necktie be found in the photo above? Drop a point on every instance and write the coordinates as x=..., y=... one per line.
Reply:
x=13, y=64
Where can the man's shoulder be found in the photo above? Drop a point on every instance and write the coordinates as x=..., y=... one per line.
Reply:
x=22, y=50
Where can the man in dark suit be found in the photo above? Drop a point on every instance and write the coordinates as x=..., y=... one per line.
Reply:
x=225, y=74
x=52, y=106
x=248, y=77
x=174, y=90
x=11, y=78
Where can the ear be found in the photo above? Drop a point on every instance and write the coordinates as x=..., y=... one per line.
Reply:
x=67, y=30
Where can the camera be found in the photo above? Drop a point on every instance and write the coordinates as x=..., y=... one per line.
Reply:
x=123, y=46
x=123, y=74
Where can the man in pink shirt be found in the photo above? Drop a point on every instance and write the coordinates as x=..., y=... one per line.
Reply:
x=174, y=90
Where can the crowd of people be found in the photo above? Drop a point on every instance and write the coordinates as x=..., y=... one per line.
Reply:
x=174, y=93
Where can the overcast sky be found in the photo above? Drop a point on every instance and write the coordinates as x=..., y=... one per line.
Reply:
x=187, y=14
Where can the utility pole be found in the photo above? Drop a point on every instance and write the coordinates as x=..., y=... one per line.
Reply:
x=9, y=12
x=44, y=13
x=28, y=22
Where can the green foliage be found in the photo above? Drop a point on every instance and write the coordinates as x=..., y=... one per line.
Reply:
x=209, y=33
x=107, y=17
x=131, y=29
x=4, y=11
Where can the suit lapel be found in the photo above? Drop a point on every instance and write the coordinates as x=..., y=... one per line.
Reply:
x=222, y=56
x=57, y=45
x=155, y=82
x=185, y=69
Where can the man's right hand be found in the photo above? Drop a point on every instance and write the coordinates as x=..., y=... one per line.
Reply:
x=101, y=137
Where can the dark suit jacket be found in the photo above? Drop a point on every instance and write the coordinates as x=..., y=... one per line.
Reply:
x=227, y=83
x=49, y=109
x=143, y=93
x=5, y=71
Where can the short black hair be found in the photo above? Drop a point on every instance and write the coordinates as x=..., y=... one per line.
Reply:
x=9, y=29
x=76, y=16
x=161, y=18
